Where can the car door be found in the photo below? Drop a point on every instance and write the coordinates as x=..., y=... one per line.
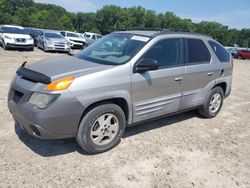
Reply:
x=156, y=93
x=201, y=71
x=247, y=54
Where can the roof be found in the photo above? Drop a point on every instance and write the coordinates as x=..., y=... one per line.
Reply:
x=14, y=26
x=158, y=32
x=147, y=33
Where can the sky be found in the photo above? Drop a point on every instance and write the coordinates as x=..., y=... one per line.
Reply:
x=233, y=13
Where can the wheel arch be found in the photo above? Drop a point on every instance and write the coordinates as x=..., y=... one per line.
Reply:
x=223, y=85
x=122, y=102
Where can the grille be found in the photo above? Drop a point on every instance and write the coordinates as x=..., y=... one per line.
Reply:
x=20, y=40
x=78, y=41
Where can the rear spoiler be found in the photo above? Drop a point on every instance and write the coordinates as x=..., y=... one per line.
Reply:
x=33, y=75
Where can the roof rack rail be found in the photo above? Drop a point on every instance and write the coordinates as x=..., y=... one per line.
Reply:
x=166, y=31
x=142, y=29
x=161, y=31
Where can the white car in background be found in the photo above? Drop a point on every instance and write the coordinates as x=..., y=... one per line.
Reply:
x=91, y=37
x=76, y=41
x=15, y=37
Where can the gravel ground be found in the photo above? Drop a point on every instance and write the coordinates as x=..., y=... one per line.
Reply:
x=179, y=151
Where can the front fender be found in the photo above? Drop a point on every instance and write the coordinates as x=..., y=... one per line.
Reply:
x=90, y=99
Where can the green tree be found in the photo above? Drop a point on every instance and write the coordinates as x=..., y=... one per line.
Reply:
x=66, y=23
x=111, y=18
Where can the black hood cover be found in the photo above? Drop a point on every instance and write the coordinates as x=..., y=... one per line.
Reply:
x=32, y=75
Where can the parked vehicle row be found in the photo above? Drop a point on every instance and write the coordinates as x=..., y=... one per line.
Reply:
x=239, y=53
x=48, y=40
x=242, y=54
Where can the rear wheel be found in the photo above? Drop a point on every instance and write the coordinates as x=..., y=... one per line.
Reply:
x=213, y=104
x=101, y=128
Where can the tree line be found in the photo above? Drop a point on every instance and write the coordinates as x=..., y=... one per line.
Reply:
x=111, y=18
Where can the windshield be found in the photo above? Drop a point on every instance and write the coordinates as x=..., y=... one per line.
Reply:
x=73, y=35
x=14, y=30
x=53, y=35
x=37, y=32
x=113, y=49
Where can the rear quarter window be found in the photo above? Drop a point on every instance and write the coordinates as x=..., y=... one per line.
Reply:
x=197, y=52
x=221, y=53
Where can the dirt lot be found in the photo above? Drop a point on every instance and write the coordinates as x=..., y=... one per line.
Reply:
x=179, y=151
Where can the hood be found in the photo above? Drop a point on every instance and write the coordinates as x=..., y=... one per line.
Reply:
x=13, y=35
x=57, y=40
x=64, y=66
x=76, y=38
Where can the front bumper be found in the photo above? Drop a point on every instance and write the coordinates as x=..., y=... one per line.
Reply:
x=77, y=45
x=20, y=46
x=57, y=48
x=59, y=120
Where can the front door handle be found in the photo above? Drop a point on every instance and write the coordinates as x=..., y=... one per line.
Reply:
x=210, y=73
x=178, y=79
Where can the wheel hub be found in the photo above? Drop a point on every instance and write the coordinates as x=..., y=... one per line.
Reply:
x=215, y=103
x=104, y=129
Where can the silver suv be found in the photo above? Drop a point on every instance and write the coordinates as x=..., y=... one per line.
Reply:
x=124, y=78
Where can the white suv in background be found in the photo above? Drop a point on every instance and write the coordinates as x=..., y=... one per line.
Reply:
x=76, y=41
x=91, y=37
x=15, y=37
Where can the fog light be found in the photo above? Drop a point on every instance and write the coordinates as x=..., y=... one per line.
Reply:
x=42, y=100
x=35, y=130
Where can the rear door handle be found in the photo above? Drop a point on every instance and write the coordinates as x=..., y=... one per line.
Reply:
x=178, y=79
x=210, y=73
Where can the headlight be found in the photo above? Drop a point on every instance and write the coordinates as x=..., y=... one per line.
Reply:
x=7, y=37
x=68, y=44
x=48, y=42
x=30, y=39
x=42, y=100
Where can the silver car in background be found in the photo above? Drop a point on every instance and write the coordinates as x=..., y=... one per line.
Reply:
x=52, y=41
x=124, y=78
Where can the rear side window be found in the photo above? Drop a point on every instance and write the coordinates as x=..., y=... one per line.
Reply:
x=197, y=52
x=221, y=53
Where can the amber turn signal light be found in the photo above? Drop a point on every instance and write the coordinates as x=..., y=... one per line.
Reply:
x=60, y=84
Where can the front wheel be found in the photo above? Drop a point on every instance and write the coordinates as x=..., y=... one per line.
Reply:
x=4, y=46
x=213, y=104
x=101, y=128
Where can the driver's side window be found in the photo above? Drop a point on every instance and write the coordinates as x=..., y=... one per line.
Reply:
x=166, y=52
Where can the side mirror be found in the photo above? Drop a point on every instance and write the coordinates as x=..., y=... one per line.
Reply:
x=145, y=65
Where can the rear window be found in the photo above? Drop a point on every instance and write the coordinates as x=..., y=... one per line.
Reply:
x=221, y=53
x=197, y=52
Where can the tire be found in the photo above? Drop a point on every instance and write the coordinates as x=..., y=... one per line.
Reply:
x=4, y=46
x=208, y=110
x=240, y=57
x=44, y=49
x=114, y=123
